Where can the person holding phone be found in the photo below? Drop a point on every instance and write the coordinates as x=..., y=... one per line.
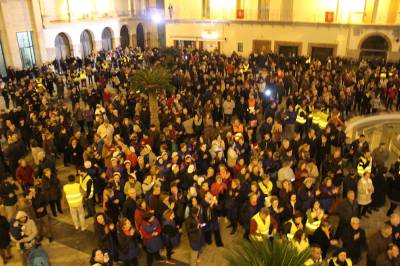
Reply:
x=100, y=258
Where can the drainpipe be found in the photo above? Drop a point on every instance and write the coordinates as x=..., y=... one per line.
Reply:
x=69, y=11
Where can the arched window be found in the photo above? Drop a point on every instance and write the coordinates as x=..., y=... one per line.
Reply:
x=107, y=39
x=87, y=43
x=63, y=48
x=374, y=47
x=124, y=36
x=140, y=36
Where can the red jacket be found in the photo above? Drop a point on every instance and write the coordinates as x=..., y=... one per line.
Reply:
x=147, y=229
x=24, y=175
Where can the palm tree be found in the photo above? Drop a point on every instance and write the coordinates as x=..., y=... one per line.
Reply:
x=278, y=252
x=151, y=81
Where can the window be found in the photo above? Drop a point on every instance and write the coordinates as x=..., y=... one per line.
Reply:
x=240, y=47
x=26, y=50
x=263, y=9
x=205, y=13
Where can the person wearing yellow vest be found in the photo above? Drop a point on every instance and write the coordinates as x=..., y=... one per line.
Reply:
x=315, y=117
x=315, y=257
x=340, y=259
x=314, y=218
x=266, y=185
x=87, y=186
x=364, y=164
x=74, y=198
x=293, y=225
x=260, y=225
x=301, y=119
x=323, y=118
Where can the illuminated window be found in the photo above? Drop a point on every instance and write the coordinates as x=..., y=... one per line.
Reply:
x=263, y=9
x=26, y=50
x=240, y=47
x=205, y=9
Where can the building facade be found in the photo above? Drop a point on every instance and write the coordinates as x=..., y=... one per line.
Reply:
x=320, y=28
x=38, y=31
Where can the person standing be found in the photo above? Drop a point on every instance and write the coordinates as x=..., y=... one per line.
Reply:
x=261, y=225
x=52, y=190
x=150, y=229
x=39, y=204
x=5, y=250
x=87, y=186
x=127, y=243
x=195, y=234
x=170, y=234
x=74, y=198
x=365, y=189
x=8, y=194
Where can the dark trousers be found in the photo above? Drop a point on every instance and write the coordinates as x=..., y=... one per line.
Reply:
x=392, y=207
x=89, y=205
x=217, y=236
x=363, y=209
x=55, y=204
x=151, y=257
x=132, y=262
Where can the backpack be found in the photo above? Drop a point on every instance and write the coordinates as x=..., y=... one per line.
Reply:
x=38, y=257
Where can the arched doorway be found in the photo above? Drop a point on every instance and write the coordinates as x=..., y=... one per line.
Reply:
x=87, y=43
x=63, y=48
x=107, y=39
x=374, y=47
x=140, y=36
x=124, y=36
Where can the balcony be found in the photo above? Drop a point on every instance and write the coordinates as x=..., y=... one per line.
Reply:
x=270, y=15
x=85, y=17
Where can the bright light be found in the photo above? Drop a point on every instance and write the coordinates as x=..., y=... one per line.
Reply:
x=156, y=18
x=267, y=92
x=209, y=35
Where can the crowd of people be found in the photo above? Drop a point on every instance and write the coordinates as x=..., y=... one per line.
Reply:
x=256, y=144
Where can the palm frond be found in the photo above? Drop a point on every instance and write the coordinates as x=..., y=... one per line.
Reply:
x=276, y=252
x=151, y=80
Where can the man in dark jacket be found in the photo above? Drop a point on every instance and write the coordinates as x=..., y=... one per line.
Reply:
x=129, y=206
x=39, y=204
x=380, y=240
x=347, y=209
x=8, y=195
x=14, y=152
x=390, y=257
x=248, y=210
x=354, y=240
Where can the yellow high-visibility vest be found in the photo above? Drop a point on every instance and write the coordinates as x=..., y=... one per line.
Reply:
x=301, y=116
x=83, y=76
x=262, y=227
x=323, y=119
x=315, y=119
x=293, y=229
x=364, y=166
x=348, y=261
x=73, y=194
x=311, y=226
x=265, y=189
x=83, y=181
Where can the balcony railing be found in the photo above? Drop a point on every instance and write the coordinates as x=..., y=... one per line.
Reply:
x=266, y=14
x=49, y=19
